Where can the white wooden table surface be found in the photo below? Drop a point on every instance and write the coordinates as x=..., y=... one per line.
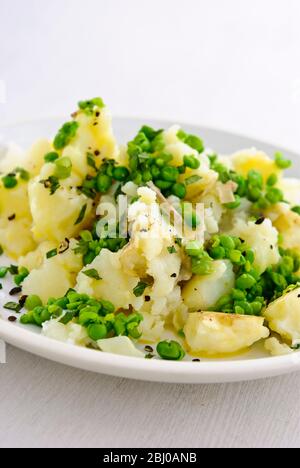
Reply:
x=228, y=64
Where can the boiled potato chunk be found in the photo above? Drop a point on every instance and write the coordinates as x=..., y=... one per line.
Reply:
x=214, y=333
x=15, y=234
x=55, y=276
x=263, y=240
x=291, y=190
x=16, y=238
x=95, y=136
x=275, y=348
x=288, y=223
x=246, y=160
x=31, y=160
x=283, y=316
x=115, y=284
x=203, y=292
x=54, y=216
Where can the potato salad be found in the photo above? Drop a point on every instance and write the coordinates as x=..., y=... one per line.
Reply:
x=159, y=248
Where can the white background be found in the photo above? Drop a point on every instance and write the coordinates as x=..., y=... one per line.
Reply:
x=226, y=63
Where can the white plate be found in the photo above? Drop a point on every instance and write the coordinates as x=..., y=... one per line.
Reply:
x=252, y=365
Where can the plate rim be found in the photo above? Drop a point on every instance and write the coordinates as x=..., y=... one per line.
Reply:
x=138, y=368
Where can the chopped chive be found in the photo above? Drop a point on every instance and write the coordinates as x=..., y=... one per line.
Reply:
x=91, y=161
x=14, y=306
x=140, y=289
x=92, y=273
x=192, y=180
x=67, y=318
x=172, y=250
x=51, y=253
x=81, y=215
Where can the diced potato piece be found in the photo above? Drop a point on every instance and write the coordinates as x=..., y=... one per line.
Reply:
x=275, y=348
x=214, y=333
x=288, y=224
x=203, y=292
x=54, y=216
x=16, y=238
x=283, y=316
x=94, y=134
x=31, y=160
x=121, y=345
x=72, y=333
x=15, y=221
x=246, y=160
x=36, y=258
x=291, y=190
x=263, y=240
x=115, y=286
x=55, y=276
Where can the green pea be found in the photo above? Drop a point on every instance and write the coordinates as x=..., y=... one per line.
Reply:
x=97, y=331
x=107, y=306
x=120, y=325
x=194, y=249
x=37, y=315
x=191, y=161
x=235, y=256
x=163, y=184
x=245, y=306
x=179, y=190
x=169, y=173
x=88, y=318
x=238, y=295
x=27, y=319
x=235, y=204
x=245, y=281
x=170, y=350
x=217, y=253
x=256, y=307
x=274, y=195
x=224, y=301
x=55, y=310
x=202, y=266
x=155, y=172
x=32, y=302
x=279, y=280
x=120, y=173
x=51, y=157
x=104, y=182
x=272, y=180
x=147, y=175
x=227, y=242
x=254, y=193
x=255, y=179
x=63, y=167
x=9, y=181
x=62, y=302
x=239, y=310
x=133, y=331
x=281, y=162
